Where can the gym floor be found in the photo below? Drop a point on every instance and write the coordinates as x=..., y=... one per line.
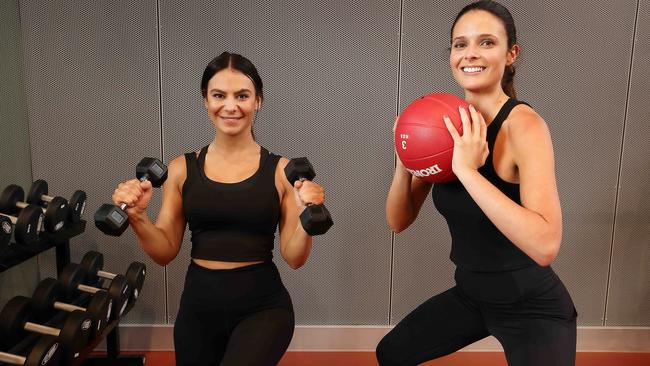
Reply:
x=456, y=359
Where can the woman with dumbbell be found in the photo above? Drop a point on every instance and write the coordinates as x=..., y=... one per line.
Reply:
x=233, y=194
x=503, y=214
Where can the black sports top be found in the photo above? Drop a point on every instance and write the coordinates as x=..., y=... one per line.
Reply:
x=232, y=222
x=476, y=244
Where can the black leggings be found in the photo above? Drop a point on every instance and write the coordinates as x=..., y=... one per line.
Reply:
x=241, y=316
x=529, y=311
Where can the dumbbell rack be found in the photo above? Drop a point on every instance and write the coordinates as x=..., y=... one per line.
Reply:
x=17, y=254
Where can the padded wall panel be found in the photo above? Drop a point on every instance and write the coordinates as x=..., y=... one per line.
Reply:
x=330, y=73
x=629, y=295
x=92, y=85
x=15, y=160
x=582, y=98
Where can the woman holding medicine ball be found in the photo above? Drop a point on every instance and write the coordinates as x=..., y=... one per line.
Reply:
x=233, y=194
x=503, y=213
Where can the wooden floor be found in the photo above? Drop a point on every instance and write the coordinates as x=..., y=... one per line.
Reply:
x=456, y=359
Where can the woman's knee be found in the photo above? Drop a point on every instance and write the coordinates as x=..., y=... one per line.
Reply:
x=387, y=351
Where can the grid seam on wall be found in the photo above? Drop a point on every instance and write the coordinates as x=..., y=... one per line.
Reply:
x=620, y=164
x=397, y=95
x=162, y=139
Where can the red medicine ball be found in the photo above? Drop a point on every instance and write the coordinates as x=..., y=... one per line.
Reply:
x=422, y=140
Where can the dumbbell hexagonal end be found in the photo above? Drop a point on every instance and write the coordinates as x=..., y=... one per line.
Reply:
x=46, y=352
x=16, y=312
x=135, y=276
x=47, y=292
x=10, y=196
x=92, y=262
x=30, y=222
x=154, y=169
x=316, y=219
x=77, y=206
x=39, y=188
x=111, y=220
x=56, y=214
x=299, y=168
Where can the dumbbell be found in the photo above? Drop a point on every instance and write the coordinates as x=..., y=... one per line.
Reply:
x=46, y=352
x=46, y=298
x=27, y=225
x=16, y=317
x=73, y=279
x=111, y=219
x=6, y=228
x=315, y=219
x=93, y=262
x=76, y=205
x=56, y=213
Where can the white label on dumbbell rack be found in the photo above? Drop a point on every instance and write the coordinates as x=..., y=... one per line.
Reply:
x=39, y=227
x=124, y=307
x=49, y=354
x=59, y=226
x=83, y=208
x=6, y=227
x=108, y=313
x=86, y=324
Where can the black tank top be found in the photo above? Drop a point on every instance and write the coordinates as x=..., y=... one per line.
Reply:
x=232, y=222
x=476, y=244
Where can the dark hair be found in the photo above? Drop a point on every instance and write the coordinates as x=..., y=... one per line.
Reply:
x=501, y=12
x=234, y=61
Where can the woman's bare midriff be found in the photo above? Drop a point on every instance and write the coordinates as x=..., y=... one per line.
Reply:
x=222, y=265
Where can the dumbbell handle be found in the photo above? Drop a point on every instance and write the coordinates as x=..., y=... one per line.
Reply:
x=106, y=275
x=67, y=307
x=12, y=359
x=42, y=329
x=25, y=204
x=302, y=179
x=89, y=289
x=144, y=177
x=46, y=198
x=13, y=219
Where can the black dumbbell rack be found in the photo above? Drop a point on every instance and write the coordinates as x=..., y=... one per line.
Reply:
x=17, y=254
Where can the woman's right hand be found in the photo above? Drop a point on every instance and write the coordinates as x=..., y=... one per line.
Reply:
x=135, y=194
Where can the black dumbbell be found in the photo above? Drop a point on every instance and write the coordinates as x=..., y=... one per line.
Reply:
x=315, y=219
x=76, y=205
x=93, y=262
x=46, y=298
x=111, y=219
x=27, y=225
x=46, y=352
x=16, y=317
x=73, y=280
x=6, y=228
x=56, y=213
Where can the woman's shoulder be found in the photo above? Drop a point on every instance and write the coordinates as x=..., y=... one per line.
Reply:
x=177, y=168
x=526, y=128
x=523, y=119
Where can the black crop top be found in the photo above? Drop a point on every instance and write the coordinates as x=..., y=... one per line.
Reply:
x=476, y=244
x=232, y=222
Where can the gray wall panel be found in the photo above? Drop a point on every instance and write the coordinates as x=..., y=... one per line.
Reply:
x=556, y=44
x=15, y=159
x=92, y=81
x=629, y=287
x=330, y=71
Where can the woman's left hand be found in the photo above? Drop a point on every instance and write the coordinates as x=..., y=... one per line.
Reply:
x=470, y=149
x=308, y=192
